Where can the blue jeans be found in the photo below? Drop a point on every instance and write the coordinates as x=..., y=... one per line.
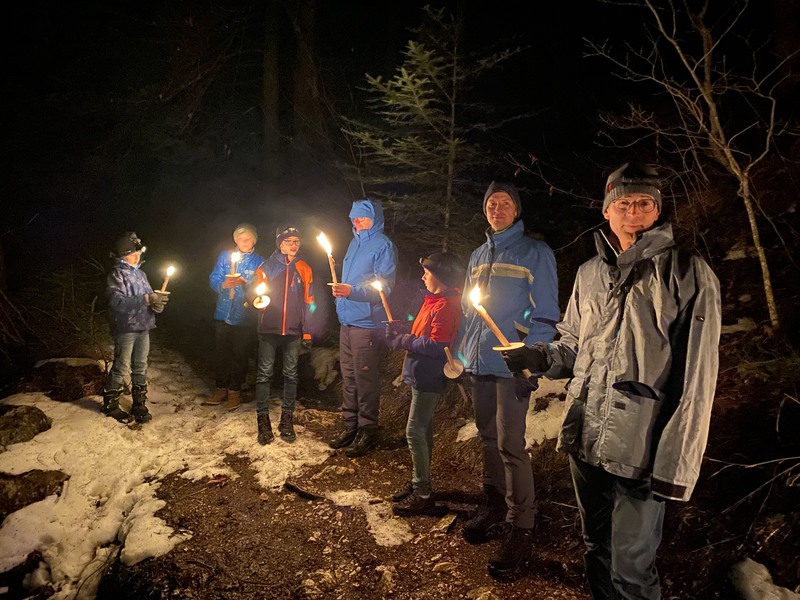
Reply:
x=419, y=433
x=130, y=355
x=268, y=344
x=622, y=526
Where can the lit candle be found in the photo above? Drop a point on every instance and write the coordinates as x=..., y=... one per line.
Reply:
x=377, y=285
x=170, y=273
x=235, y=258
x=326, y=245
x=262, y=300
x=475, y=298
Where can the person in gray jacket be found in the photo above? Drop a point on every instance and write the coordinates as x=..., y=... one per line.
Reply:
x=640, y=341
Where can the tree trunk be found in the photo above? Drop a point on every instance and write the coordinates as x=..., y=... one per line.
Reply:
x=270, y=89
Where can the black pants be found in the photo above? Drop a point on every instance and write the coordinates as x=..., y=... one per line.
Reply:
x=233, y=346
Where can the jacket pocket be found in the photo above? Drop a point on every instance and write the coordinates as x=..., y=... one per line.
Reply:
x=633, y=413
x=569, y=440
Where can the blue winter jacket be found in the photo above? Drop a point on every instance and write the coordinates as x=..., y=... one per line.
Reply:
x=233, y=311
x=519, y=290
x=126, y=289
x=371, y=256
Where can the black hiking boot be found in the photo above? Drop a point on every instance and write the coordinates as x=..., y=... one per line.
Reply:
x=365, y=441
x=343, y=438
x=514, y=554
x=286, y=427
x=414, y=504
x=111, y=406
x=265, y=435
x=492, y=510
x=404, y=493
x=139, y=408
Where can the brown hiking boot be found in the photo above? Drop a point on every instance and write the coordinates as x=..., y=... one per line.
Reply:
x=234, y=399
x=216, y=398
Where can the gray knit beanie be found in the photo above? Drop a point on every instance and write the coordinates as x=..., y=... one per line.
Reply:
x=502, y=186
x=632, y=178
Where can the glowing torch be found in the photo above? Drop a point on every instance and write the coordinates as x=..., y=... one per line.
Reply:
x=475, y=298
x=377, y=285
x=326, y=245
x=235, y=258
x=170, y=273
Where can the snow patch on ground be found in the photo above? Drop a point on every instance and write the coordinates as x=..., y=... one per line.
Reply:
x=74, y=362
x=753, y=582
x=387, y=529
x=114, y=472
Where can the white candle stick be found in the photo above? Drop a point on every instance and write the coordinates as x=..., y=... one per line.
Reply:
x=378, y=286
x=475, y=298
x=170, y=273
x=326, y=245
x=235, y=258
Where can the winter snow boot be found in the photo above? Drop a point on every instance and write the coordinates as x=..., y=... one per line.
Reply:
x=492, y=510
x=286, y=427
x=403, y=493
x=343, y=438
x=111, y=406
x=265, y=435
x=216, y=398
x=514, y=553
x=139, y=408
x=414, y=504
x=366, y=439
x=234, y=399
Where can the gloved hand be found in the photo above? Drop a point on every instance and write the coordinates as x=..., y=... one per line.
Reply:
x=395, y=328
x=524, y=386
x=307, y=343
x=401, y=342
x=534, y=358
x=157, y=300
x=230, y=282
x=158, y=307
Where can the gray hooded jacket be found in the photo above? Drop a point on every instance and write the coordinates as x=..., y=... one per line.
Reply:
x=640, y=340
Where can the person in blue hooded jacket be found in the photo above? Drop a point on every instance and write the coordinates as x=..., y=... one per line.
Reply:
x=516, y=276
x=234, y=320
x=371, y=257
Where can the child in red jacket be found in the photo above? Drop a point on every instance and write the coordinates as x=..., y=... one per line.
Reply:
x=433, y=330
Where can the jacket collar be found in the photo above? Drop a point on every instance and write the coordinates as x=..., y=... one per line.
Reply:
x=507, y=236
x=648, y=244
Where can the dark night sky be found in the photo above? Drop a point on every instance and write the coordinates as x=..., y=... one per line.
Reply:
x=81, y=70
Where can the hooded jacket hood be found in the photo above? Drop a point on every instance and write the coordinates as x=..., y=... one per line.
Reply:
x=372, y=209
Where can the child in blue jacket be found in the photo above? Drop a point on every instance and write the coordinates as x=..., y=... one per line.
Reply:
x=133, y=306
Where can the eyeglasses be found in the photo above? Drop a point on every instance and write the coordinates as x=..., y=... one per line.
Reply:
x=291, y=242
x=646, y=205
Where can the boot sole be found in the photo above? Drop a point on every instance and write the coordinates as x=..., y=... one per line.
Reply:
x=433, y=511
x=361, y=451
x=509, y=574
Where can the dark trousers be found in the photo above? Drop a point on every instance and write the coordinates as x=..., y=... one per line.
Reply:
x=360, y=354
x=622, y=526
x=233, y=345
x=500, y=414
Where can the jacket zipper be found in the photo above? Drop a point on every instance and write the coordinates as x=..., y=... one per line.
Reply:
x=285, y=299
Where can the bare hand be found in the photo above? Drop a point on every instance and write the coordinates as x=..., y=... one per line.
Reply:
x=230, y=282
x=341, y=290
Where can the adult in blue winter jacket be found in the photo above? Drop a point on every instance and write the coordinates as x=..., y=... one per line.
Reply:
x=518, y=284
x=132, y=308
x=370, y=257
x=234, y=320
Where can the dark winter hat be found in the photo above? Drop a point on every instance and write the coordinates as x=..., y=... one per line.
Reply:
x=446, y=267
x=632, y=178
x=127, y=244
x=503, y=186
x=285, y=231
x=243, y=228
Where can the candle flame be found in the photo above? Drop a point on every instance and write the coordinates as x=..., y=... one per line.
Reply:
x=475, y=296
x=326, y=245
x=377, y=285
x=236, y=256
x=170, y=271
x=261, y=289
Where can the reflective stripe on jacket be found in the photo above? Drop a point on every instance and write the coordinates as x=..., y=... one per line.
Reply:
x=126, y=288
x=519, y=289
x=291, y=296
x=233, y=310
x=640, y=339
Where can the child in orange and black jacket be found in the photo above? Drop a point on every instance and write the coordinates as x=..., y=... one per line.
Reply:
x=434, y=329
x=284, y=323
